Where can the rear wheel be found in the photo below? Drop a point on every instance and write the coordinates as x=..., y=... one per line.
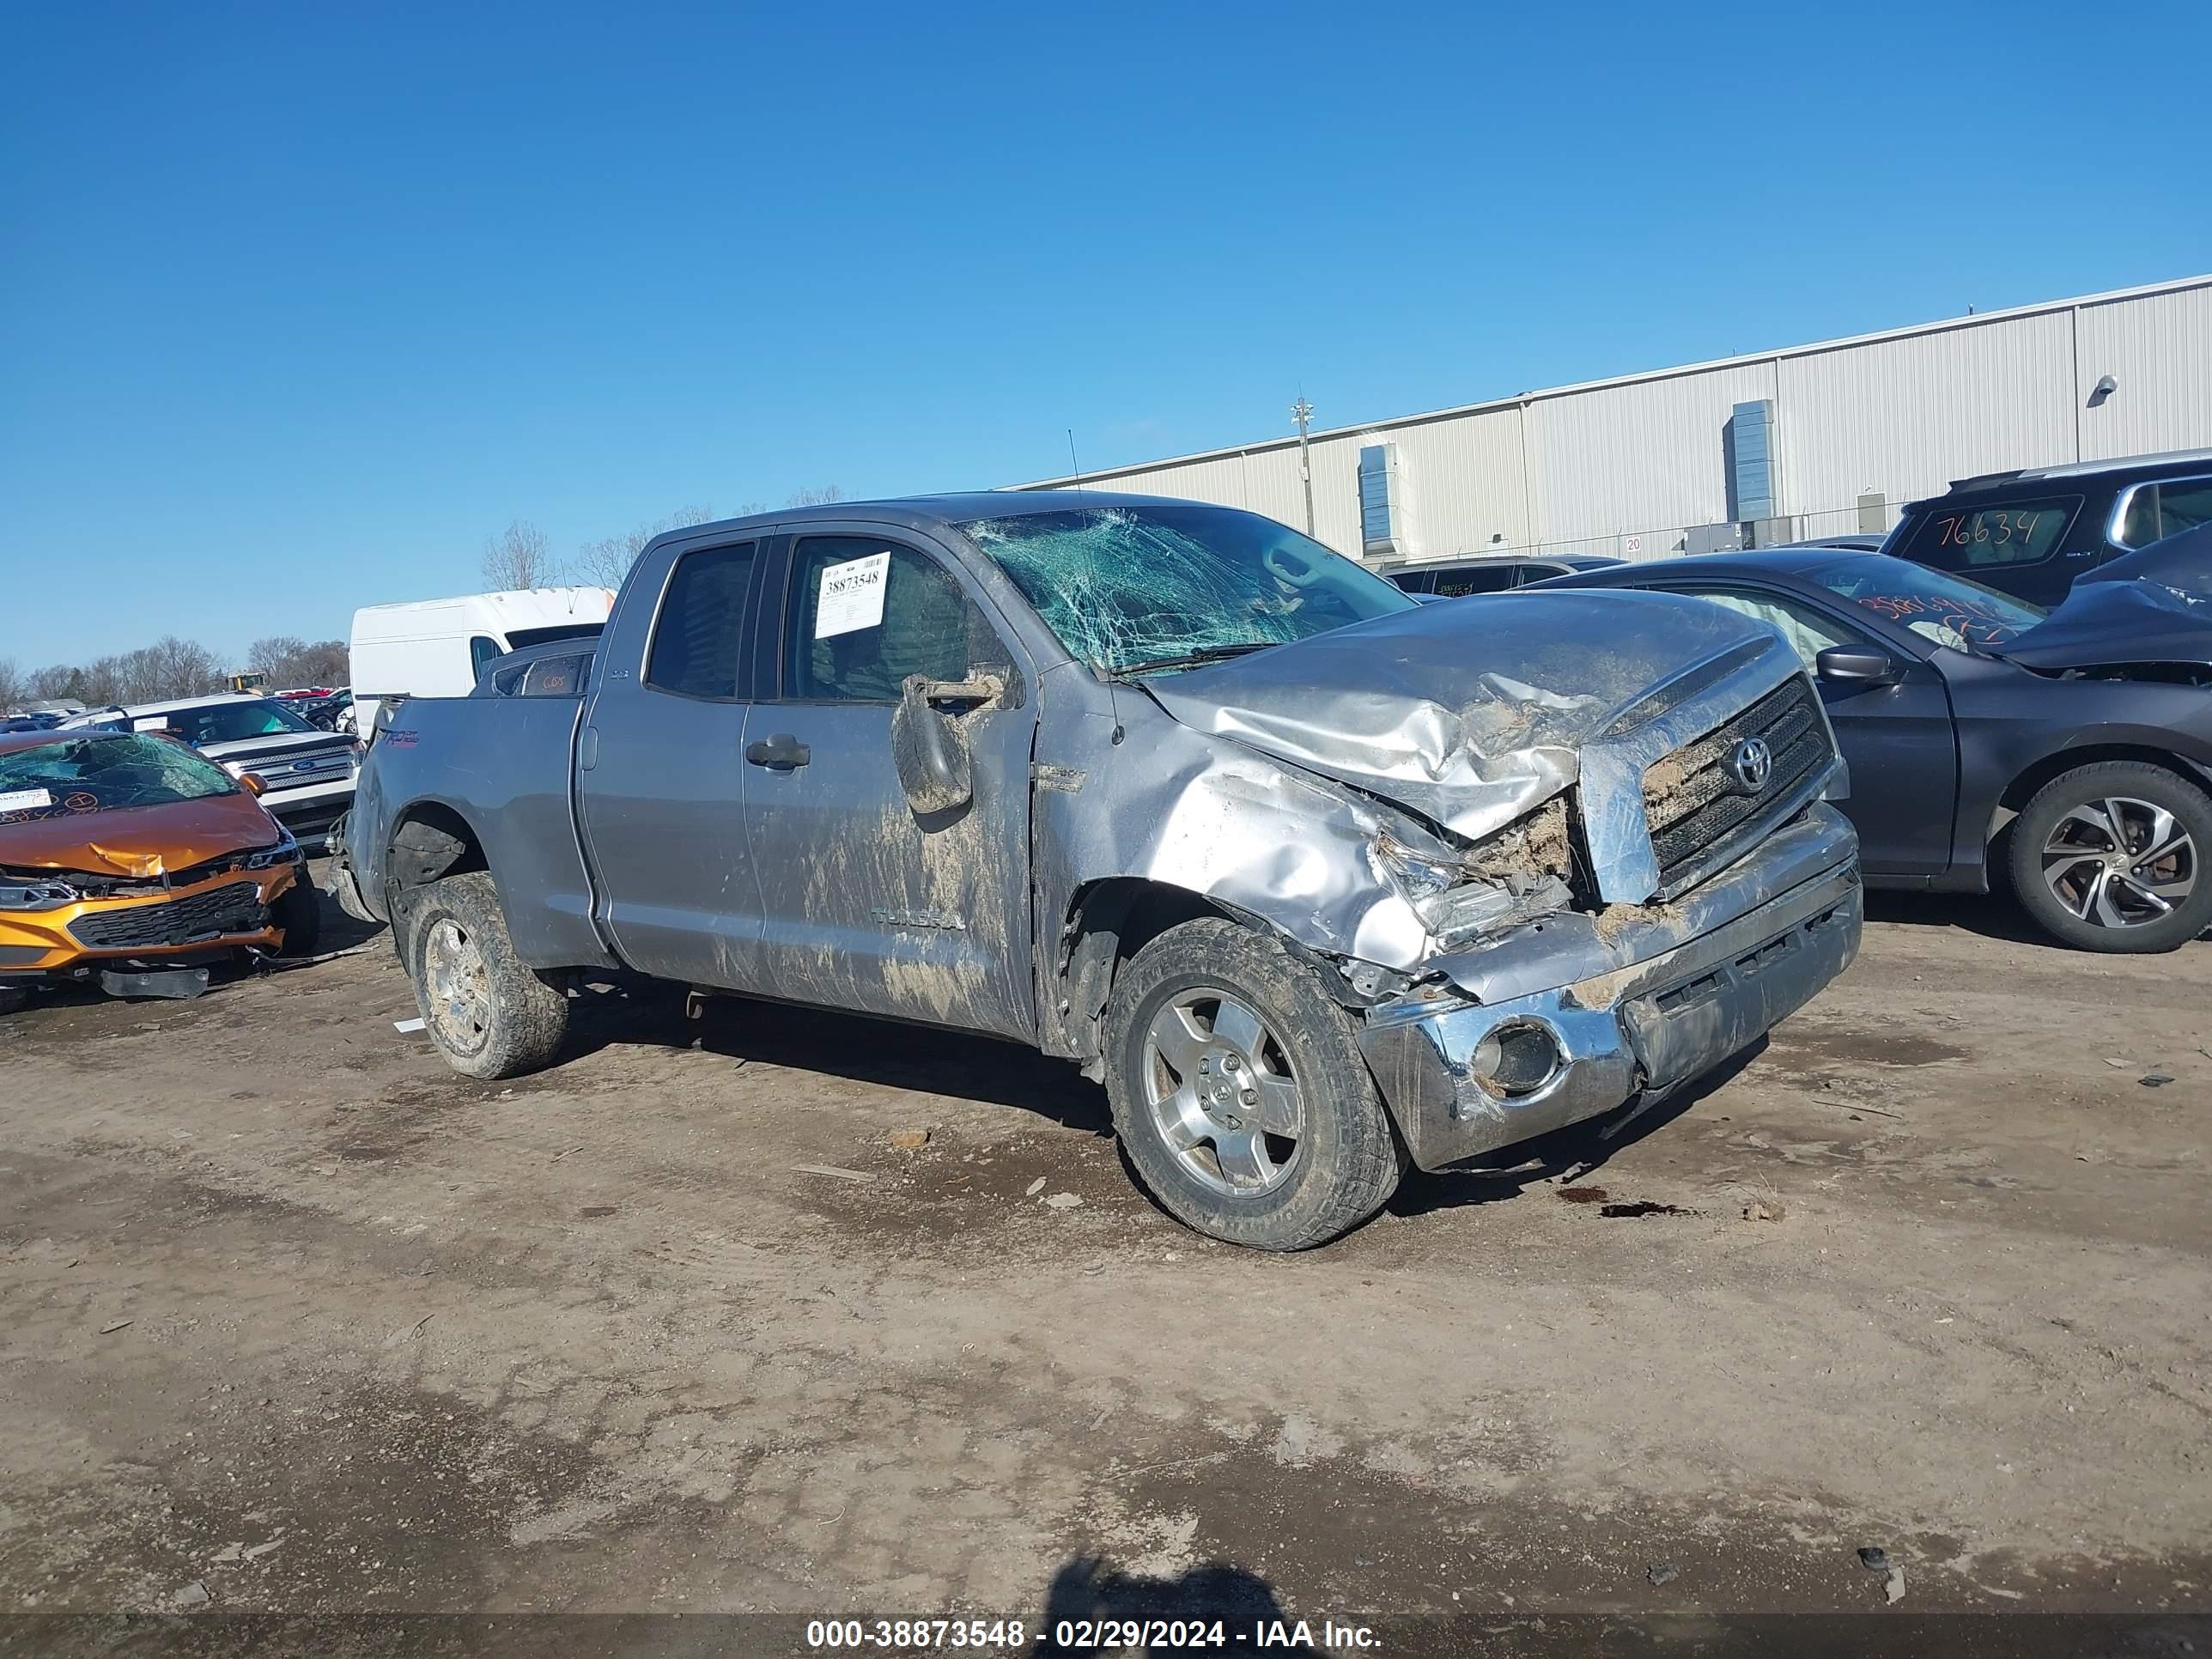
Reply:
x=1240, y=1094
x=489, y=1016
x=2109, y=858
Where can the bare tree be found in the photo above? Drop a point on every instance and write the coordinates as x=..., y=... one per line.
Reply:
x=519, y=557
x=15, y=686
x=821, y=497
x=275, y=655
x=288, y=660
x=604, y=563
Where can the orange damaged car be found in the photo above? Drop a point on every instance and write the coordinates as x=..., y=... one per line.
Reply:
x=128, y=860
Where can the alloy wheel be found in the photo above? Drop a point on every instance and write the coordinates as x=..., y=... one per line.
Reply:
x=458, y=990
x=2119, y=862
x=1222, y=1093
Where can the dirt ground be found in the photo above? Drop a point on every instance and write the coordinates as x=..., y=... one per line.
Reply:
x=293, y=1319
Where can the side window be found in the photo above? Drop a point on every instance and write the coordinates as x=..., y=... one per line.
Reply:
x=2183, y=504
x=1474, y=579
x=482, y=650
x=694, y=638
x=2018, y=532
x=863, y=614
x=1809, y=632
x=1537, y=572
x=2138, y=526
x=554, y=677
x=1414, y=582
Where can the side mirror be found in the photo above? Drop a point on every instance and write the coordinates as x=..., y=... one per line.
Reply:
x=928, y=746
x=1858, y=665
x=251, y=782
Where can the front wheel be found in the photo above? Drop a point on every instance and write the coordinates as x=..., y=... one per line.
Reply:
x=491, y=1015
x=2109, y=858
x=1239, y=1092
x=299, y=911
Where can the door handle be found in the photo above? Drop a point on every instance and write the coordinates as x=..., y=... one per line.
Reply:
x=779, y=753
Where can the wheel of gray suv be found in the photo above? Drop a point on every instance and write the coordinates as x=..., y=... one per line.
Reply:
x=489, y=1016
x=2110, y=857
x=1240, y=1094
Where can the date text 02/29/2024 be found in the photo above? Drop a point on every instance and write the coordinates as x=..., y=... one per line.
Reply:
x=894, y=1635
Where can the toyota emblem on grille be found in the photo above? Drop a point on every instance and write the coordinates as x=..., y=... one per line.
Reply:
x=1753, y=763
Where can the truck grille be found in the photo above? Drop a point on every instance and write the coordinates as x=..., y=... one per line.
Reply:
x=1702, y=801
x=236, y=909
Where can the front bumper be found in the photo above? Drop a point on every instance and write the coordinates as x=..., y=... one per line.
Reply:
x=53, y=944
x=1654, y=1001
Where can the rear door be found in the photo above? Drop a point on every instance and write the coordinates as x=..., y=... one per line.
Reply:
x=1900, y=741
x=869, y=905
x=661, y=773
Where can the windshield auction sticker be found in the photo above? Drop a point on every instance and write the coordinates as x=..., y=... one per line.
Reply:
x=851, y=596
x=25, y=800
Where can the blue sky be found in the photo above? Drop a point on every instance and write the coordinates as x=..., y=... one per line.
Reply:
x=299, y=305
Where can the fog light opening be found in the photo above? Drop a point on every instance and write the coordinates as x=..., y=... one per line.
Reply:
x=1516, y=1059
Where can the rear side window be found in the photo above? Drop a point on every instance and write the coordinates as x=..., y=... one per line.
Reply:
x=694, y=638
x=864, y=614
x=1415, y=581
x=1474, y=579
x=2018, y=532
x=2183, y=504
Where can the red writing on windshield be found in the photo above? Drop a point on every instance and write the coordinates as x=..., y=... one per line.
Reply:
x=1970, y=620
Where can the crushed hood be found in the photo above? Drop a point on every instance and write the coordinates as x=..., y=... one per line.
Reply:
x=2182, y=561
x=139, y=842
x=2116, y=621
x=1471, y=712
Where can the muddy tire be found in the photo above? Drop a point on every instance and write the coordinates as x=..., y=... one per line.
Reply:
x=489, y=1016
x=299, y=911
x=2108, y=858
x=1239, y=1093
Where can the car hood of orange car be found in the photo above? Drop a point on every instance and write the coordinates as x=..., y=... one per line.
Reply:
x=139, y=842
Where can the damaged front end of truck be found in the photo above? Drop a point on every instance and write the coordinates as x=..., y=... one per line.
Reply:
x=1558, y=854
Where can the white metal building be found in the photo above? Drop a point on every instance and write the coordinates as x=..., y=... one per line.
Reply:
x=1813, y=439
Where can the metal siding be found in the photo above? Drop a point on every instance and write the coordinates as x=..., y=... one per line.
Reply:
x=1905, y=417
x=1636, y=458
x=1464, y=483
x=1900, y=415
x=2159, y=349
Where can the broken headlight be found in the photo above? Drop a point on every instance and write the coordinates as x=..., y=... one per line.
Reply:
x=1419, y=874
x=36, y=895
x=283, y=852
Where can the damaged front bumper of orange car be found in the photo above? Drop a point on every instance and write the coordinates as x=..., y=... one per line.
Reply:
x=142, y=923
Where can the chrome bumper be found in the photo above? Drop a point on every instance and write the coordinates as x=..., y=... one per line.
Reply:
x=1655, y=1002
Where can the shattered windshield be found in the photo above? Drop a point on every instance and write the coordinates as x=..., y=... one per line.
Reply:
x=107, y=773
x=1127, y=589
x=1948, y=609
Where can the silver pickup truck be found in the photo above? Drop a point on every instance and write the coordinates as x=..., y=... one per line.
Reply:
x=1317, y=880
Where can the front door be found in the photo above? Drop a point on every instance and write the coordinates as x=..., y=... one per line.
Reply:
x=1898, y=740
x=867, y=904
x=661, y=775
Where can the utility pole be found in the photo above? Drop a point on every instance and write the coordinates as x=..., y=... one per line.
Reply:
x=1301, y=411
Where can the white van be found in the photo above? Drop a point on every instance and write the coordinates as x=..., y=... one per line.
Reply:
x=435, y=648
